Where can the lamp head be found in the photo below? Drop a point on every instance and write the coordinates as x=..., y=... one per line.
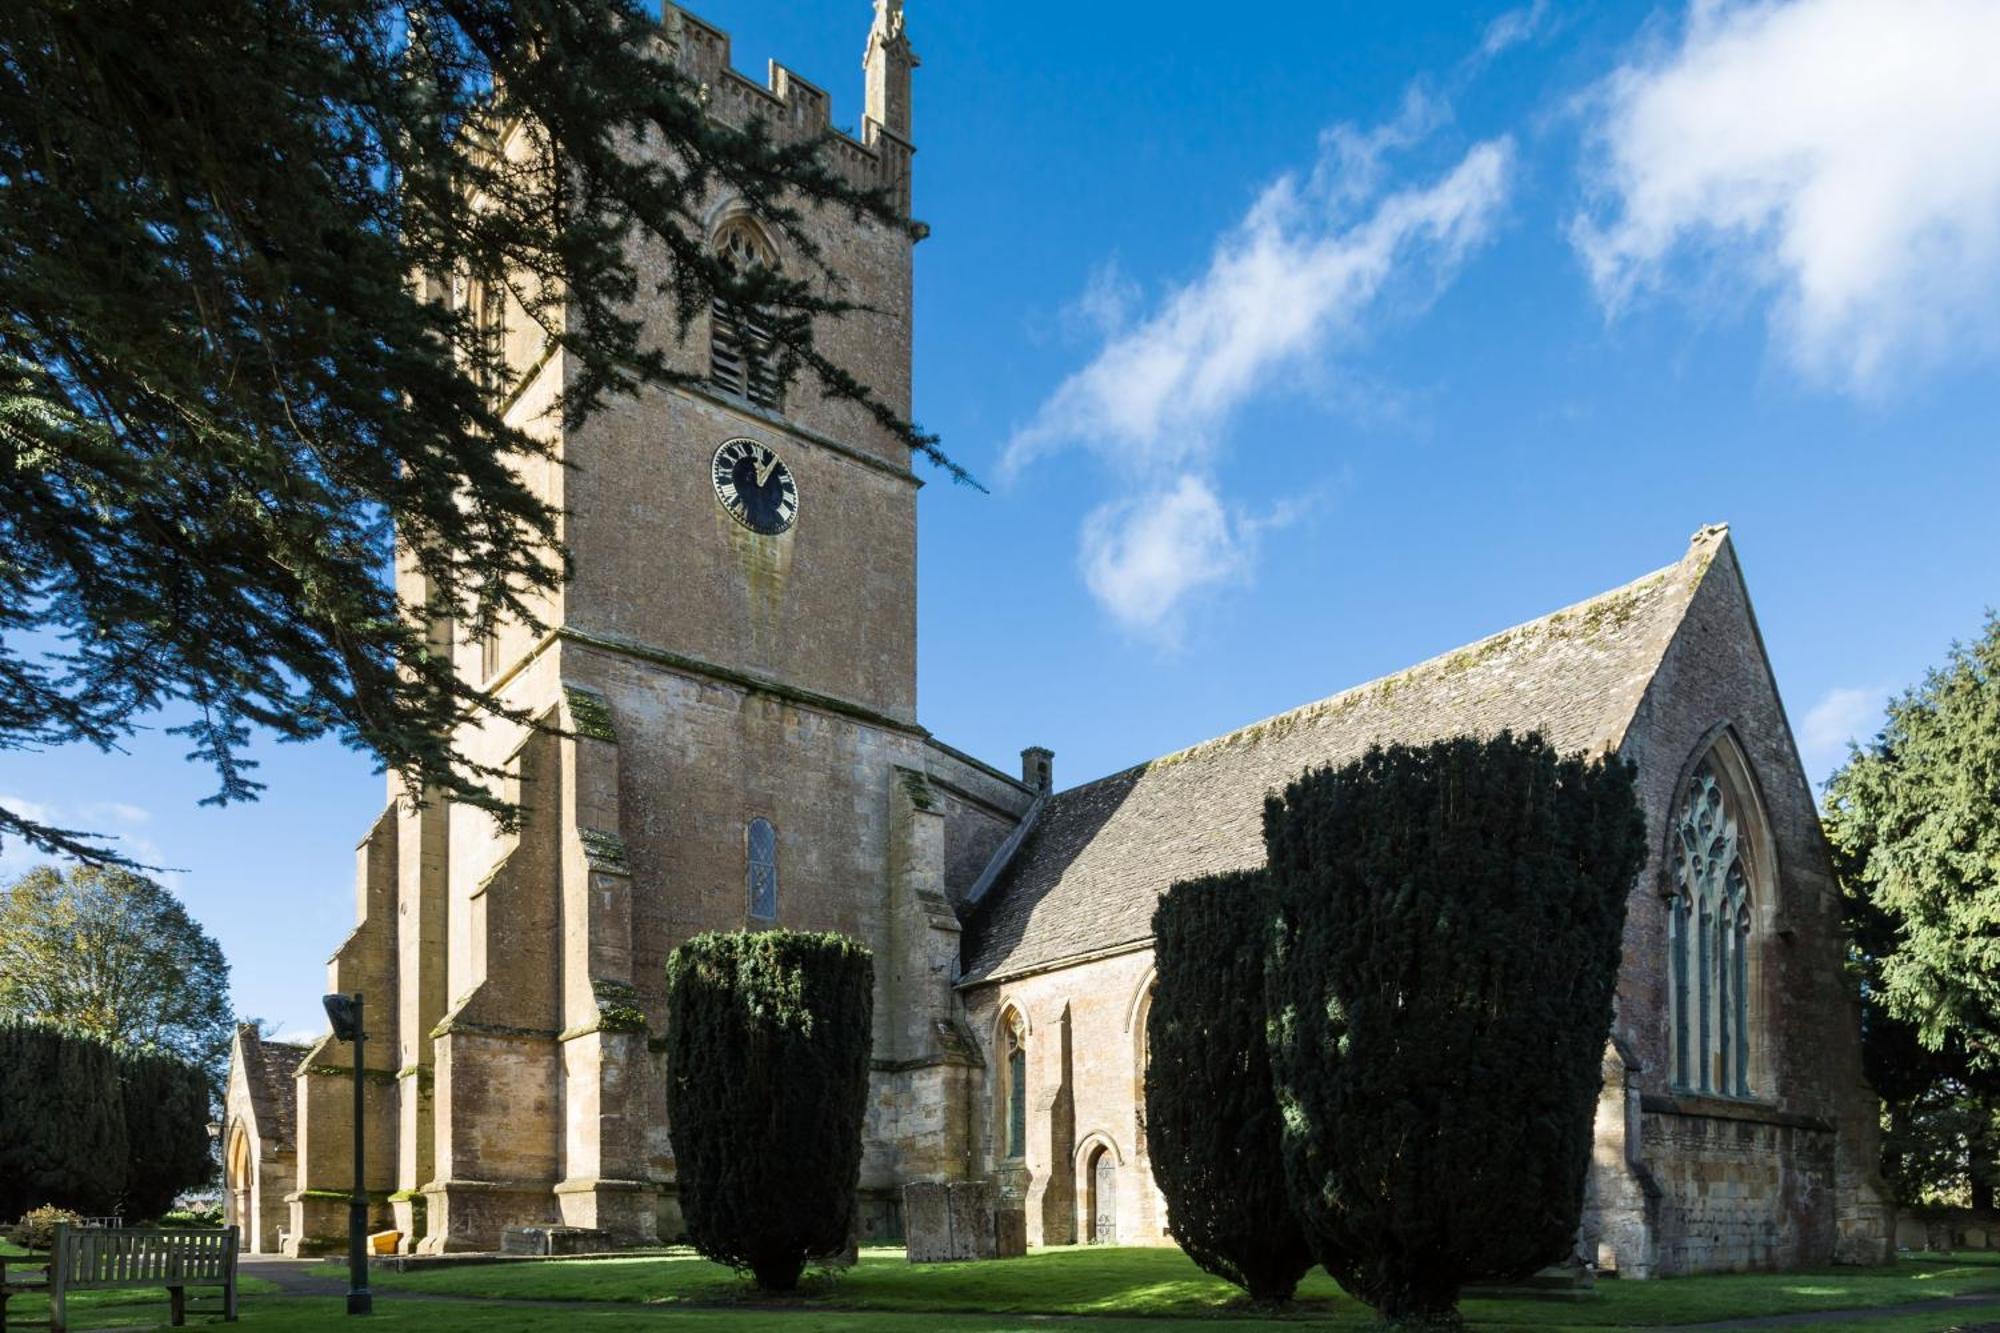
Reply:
x=344, y=1012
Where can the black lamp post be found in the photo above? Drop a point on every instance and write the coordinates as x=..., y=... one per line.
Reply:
x=344, y=1012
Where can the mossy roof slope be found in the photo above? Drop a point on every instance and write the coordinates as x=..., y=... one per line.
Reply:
x=1086, y=879
x=269, y=1071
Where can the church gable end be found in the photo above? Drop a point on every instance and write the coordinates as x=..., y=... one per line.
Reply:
x=1734, y=1003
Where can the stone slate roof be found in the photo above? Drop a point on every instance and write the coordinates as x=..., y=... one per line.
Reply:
x=268, y=1069
x=1089, y=874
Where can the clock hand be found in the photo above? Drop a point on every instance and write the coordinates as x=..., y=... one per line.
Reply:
x=764, y=470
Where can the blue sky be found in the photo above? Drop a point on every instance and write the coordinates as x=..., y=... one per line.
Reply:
x=1302, y=342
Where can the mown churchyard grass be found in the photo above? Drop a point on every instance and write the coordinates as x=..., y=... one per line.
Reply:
x=1154, y=1290
x=1163, y=1283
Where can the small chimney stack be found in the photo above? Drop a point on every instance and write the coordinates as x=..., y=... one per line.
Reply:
x=1038, y=768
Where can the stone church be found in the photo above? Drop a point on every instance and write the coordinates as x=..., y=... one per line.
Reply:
x=730, y=679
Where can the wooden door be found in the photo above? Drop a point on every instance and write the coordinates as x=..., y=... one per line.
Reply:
x=1104, y=1200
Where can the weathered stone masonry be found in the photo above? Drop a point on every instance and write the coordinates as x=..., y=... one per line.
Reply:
x=698, y=678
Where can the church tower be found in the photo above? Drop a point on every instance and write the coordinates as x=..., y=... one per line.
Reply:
x=728, y=684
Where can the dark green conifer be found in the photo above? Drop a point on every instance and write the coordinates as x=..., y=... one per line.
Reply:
x=1212, y=1126
x=62, y=1122
x=1448, y=929
x=768, y=1039
x=166, y=1117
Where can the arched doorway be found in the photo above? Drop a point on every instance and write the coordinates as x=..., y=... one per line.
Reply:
x=1101, y=1181
x=238, y=1182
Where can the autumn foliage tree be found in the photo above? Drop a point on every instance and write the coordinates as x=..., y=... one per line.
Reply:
x=107, y=952
x=1448, y=920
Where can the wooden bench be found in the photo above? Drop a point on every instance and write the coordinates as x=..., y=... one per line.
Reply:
x=106, y=1258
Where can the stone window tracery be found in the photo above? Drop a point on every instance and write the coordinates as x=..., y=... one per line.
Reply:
x=1709, y=942
x=742, y=357
x=761, y=847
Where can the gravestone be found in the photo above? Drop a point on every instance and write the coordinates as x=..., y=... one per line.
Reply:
x=960, y=1220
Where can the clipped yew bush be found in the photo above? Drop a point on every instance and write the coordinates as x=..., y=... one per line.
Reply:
x=166, y=1131
x=768, y=1039
x=62, y=1122
x=1212, y=1126
x=1448, y=921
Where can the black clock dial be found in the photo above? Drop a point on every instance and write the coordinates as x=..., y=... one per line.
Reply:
x=755, y=486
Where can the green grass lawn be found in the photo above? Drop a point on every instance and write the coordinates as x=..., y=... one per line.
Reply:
x=1148, y=1289
x=1162, y=1283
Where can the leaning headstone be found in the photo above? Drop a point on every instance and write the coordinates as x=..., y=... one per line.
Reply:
x=927, y=1222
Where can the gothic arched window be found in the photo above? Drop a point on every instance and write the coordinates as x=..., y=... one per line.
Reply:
x=1014, y=1092
x=741, y=357
x=1709, y=941
x=761, y=847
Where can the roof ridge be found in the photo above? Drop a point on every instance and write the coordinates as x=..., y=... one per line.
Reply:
x=1701, y=552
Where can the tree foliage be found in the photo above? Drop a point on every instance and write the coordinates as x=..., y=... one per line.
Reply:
x=166, y=1131
x=1448, y=921
x=62, y=1122
x=768, y=1040
x=94, y=1129
x=1914, y=819
x=223, y=392
x=1212, y=1126
x=109, y=953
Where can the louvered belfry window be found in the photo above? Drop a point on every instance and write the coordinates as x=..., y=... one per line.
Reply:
x=741, y=357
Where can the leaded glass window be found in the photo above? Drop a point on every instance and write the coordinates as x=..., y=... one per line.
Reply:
x=1708, y=944
x=1017, y=1088
x=762, y=843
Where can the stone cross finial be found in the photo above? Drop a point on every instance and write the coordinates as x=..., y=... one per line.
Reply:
x=888, y=62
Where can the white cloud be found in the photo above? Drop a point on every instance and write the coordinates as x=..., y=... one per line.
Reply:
x=1843, y=155
x=1840, y=716
x=1303, y=269
x=1512, y=28
x=1144, y=555
x=1296, y=272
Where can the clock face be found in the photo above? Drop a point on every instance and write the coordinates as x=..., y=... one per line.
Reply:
x=755, y=486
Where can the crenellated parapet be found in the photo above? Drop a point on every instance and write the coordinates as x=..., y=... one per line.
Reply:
x=796, y=109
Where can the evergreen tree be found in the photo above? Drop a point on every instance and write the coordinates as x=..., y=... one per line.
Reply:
x=106, y=952
x=1212, y=1127
x=1914, y=819
x=1440, y=991
x=62, y=1122
x=768, y=1038
x=166, y=1131
x=224, y=392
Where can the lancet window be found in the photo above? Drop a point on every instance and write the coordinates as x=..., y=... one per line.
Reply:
x=761, y=844
x=1014, y=1102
